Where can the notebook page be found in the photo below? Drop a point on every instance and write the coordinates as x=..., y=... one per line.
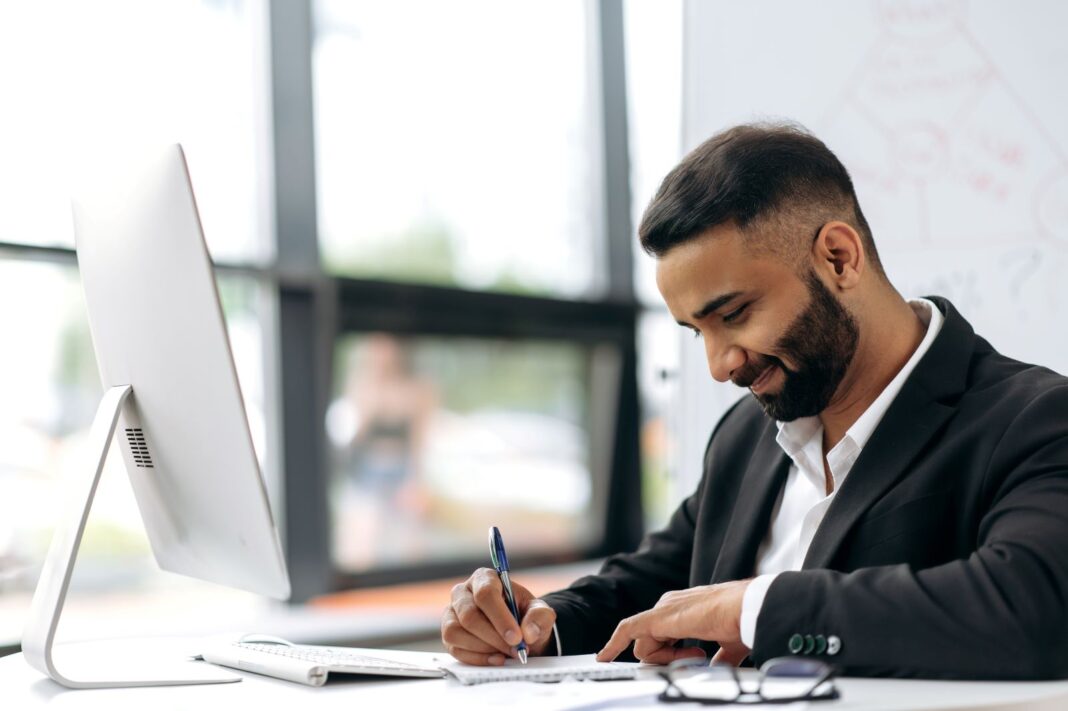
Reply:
x=576, y=666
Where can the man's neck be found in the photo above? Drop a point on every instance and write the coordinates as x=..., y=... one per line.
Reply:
x=883, y=350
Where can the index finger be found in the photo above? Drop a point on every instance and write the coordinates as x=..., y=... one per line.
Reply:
x=488, y=592
x=626, y=632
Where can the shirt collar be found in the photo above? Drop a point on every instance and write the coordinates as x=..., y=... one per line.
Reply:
x=862, y=429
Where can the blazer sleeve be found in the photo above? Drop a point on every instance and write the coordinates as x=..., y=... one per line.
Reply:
x=1002, y=612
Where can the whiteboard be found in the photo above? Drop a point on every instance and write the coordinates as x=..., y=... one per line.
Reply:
x=952, y=118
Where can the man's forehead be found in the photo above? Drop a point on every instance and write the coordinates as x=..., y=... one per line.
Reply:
x=713, y=266
x=713, y=261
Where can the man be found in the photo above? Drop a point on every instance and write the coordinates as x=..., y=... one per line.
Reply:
x=894, y=496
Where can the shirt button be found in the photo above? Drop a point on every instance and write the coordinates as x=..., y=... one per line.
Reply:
x=821, y=644
x=796, y=644
x=810, y=644
x=834, y=645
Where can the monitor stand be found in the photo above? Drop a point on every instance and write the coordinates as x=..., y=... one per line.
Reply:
x=91, y=666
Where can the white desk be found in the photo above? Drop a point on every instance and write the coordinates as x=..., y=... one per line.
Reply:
x=22, y=687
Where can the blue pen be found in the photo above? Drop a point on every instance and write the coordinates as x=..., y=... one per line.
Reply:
x=500, y=564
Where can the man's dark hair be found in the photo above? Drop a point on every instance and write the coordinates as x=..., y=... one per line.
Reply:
x=777, y=182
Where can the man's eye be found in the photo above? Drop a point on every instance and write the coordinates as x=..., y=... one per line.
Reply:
x=733, y=315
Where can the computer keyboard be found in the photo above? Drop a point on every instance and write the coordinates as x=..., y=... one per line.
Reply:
x=332, y=656
x=311, y=664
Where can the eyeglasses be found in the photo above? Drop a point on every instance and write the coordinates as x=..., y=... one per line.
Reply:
x=782, y=680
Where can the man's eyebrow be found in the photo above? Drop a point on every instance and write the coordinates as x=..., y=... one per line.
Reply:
x=713, y=304
x=710, y=306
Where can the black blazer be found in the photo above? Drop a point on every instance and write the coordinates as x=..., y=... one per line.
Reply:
x=944, y=553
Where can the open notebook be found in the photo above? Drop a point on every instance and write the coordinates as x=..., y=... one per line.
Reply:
x=578, y=666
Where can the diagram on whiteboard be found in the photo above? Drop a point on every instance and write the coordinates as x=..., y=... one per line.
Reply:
x=963, y=178
x=939, y=124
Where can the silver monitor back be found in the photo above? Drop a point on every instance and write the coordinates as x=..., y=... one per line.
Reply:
x=172, y=403
x=157, y=325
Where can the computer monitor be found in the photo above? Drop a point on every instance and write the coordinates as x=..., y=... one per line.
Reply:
x=173, y=400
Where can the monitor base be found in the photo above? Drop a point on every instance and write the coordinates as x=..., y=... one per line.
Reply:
x=85, y=666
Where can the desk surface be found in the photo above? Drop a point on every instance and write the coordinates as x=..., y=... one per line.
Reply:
x=24, y=688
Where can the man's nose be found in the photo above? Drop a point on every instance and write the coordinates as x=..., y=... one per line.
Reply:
x=723, y=358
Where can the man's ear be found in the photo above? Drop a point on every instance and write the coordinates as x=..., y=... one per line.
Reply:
x=838, y=254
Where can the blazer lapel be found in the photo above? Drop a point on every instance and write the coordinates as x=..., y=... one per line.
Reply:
x=884, y=460
x=917, y=414
x=751, y=516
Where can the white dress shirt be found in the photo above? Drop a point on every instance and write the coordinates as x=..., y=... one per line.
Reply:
x=804, y=499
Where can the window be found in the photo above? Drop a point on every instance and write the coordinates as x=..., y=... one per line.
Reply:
x=451, y=411
x=436, y=439
x=452, y=137
x=653, y=34
x=85, y=76
x=52, y=390
x=462, y=215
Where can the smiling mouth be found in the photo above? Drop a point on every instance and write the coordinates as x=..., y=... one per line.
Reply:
x=757, y=386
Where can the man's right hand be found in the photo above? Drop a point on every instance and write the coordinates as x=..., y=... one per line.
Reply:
x=478, y=628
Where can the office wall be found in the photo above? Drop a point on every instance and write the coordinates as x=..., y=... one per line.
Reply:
x=952, y=118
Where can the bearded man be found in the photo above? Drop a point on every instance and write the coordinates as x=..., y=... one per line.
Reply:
x=894, y=496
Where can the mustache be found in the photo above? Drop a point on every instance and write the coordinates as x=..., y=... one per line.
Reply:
x=748, y=373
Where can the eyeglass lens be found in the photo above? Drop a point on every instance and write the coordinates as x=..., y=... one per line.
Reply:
x=716, y=682
x=792, y=678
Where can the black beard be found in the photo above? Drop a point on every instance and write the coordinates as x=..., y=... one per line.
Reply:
x=822, y=341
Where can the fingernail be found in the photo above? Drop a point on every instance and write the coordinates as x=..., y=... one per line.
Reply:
x=497, y=659
x=511, y=637
x=533, y=631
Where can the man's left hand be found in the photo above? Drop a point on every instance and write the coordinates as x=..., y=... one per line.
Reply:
x=709, y=612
